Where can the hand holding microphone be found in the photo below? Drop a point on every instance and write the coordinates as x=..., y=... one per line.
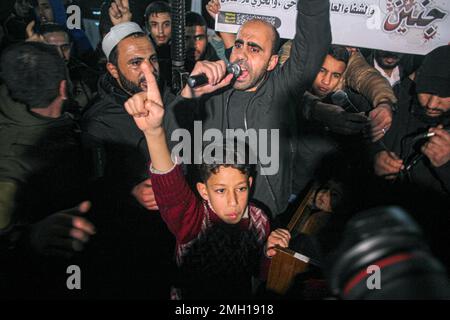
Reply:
x=202, y=79
x=208, y=76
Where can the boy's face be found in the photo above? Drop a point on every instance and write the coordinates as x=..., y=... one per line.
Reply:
x=160, y=27
x=328, y=77
x=227, y=191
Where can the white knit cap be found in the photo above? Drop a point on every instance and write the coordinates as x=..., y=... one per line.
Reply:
x=117, y=33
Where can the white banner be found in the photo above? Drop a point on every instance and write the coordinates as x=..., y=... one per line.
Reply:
x=408, y=26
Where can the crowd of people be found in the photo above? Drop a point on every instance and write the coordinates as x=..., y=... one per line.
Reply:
x=90, y=174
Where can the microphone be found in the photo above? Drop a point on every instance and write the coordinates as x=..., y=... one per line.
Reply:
x=427, y=135
x=201, y=79
x=341, y=99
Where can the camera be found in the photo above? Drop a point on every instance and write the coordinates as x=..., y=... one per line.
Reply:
x=382, y=255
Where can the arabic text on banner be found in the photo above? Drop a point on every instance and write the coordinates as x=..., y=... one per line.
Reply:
x=408, y=26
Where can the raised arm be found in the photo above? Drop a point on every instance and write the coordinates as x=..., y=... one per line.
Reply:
x=213, y=8
x=180, y=209
x=309, y=47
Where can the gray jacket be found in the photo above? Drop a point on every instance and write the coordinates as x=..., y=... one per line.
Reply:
x=274, y=104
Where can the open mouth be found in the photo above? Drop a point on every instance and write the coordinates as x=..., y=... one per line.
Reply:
x=243, y=76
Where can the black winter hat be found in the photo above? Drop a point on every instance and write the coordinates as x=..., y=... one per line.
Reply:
x=433, y=75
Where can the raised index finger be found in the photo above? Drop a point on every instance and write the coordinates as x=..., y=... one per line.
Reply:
x=29, y=29
x=152, y=86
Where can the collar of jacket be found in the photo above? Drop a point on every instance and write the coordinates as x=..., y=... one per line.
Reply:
x=261, y=104
x=16, y=113
x=108, y=88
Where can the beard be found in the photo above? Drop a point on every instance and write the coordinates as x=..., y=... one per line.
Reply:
x=131, y=87
x=381, y=56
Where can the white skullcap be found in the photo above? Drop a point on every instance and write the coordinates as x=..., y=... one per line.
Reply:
x=117, y=33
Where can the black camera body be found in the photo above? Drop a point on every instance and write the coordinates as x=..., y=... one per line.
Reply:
x=383, y=256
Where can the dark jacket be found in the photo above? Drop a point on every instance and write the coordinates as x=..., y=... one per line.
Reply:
x=409, y=121
x=425, y=192
x=125, y=228
x=274, y=104
x=41, y=163
x=42, y=171
x=122, y=150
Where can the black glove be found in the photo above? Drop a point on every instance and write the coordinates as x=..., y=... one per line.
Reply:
x=63, y=233
x=338, y=120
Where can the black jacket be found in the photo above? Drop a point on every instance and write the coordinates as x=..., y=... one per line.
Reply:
x=121, y=147
x=411, y=120
x=274, y=104
x=120, y=253
x=41, y=161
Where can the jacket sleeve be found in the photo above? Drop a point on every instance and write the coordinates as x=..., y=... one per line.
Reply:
x=179, y=114
x=180, y=209
x=7, y=194
x=443, y=173
x=309, y=47
x=308, y=104
x=367, y=81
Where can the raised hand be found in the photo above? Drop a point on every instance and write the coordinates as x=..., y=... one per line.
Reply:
x=119, y=12
x=31, y=35
x=213, y=8
x=147, y=107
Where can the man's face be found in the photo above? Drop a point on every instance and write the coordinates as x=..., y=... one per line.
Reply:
x=227, y=191
x=132, y=52
x=61, y=41
x=44, y=11
x=434, y=105
x=196, y=42
x=387, y=60
x=160, y=27
x=253, y=52
x=328, y=77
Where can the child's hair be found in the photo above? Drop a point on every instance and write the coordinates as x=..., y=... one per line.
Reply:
x=337, y=192
x=231, y=154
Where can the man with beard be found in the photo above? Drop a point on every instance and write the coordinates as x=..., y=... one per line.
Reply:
x=197, y=46
x=416, y=157
x=83, y=77
x=123, y=187
x=426, y=111
x=394, y=66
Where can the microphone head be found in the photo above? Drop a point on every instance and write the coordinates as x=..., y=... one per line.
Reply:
x=234, y=68
x=340, y=98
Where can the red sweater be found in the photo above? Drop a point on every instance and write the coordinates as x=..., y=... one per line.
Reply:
x=188, y=217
